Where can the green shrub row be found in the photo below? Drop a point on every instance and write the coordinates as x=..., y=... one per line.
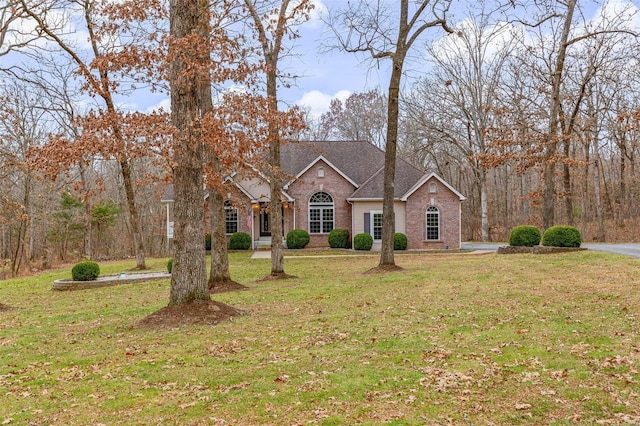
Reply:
x=555, y=236
x=339, y=238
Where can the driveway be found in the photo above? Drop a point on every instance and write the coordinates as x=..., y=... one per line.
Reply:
x=627, y=249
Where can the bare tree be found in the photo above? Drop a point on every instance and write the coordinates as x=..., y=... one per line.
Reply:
x=99, y=83
x=385, y=31
x=463, y=92
x=361, y=117
x=273, y=21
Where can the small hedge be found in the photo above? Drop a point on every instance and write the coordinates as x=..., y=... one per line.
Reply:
x=297, y=239
x=207, y=242
x=562, y=236
x=85, y=271
x=240, y=241
x=362, y=242
x=399, y=241
x=339, y=238
x=170, y=265
x=524, y=235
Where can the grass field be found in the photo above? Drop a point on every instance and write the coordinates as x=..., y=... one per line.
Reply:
x=457, y=339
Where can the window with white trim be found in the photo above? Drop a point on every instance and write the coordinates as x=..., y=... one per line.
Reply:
x=433, y=224
x=230, y=218
x=376, y=225
x=321, y=215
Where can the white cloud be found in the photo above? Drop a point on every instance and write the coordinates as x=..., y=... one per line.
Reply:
x=165, y=104
x=625, y=13
x=318, y=102
x=318, y=12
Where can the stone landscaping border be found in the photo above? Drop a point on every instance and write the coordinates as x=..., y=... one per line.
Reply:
x=109, y=280
x=536, y=249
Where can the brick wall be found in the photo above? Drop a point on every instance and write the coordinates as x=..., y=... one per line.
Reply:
x=448, y=205
x=333, y=184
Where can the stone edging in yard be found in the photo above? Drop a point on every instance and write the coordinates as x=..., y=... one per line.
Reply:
x=536, y=249
x=108, y=280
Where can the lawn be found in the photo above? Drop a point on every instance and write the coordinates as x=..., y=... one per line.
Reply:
x=459, y=339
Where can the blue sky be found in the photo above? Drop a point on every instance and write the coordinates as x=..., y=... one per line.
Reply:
x=323, y=75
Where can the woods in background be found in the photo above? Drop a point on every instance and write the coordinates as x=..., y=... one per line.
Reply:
x=535, y=120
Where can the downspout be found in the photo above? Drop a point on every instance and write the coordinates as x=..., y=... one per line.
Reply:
x=353, y=218
x=459, y=225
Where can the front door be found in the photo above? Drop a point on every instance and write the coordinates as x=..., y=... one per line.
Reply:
x=265, y=223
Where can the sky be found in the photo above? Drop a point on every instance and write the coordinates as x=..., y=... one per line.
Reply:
x=324, y=75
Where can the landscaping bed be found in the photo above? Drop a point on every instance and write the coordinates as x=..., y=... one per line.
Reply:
x=109, y=280
x=536, y=249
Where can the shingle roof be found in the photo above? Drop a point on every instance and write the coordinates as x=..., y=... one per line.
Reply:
x=357, y=159
x=361, y=161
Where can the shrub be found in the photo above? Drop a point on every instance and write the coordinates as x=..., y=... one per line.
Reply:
x=85, y=271
x=170, y=265
x=400, y=241
x=297, y=239
x=240, y=241
x=524, y=235
x=362, y=242
x=339, y=238
x=562, y=236
x=207, y=242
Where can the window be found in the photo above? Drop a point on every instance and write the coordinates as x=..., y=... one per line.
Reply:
x=231, y=218
x=433, y=223
x=376, y=225
x=433, y=188
x=320, y=213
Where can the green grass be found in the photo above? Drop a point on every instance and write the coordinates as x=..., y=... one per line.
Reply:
x=451, y=339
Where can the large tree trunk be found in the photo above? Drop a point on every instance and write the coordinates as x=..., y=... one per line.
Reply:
x=138, y=240
x=566, y=180
x=484, y=205
x=275, y=206
x=219, y=254
x=189, y=275
x=388, y=219
x=275, y=182
x=548, y=212
x=598, y=199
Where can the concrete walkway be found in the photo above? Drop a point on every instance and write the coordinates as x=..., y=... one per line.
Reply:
x=261, y=254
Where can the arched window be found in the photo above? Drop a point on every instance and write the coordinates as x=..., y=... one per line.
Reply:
x=231, y=218
x=433, y=224
x=320, y=213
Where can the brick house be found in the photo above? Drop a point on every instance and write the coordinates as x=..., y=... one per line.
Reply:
x=340, y=185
